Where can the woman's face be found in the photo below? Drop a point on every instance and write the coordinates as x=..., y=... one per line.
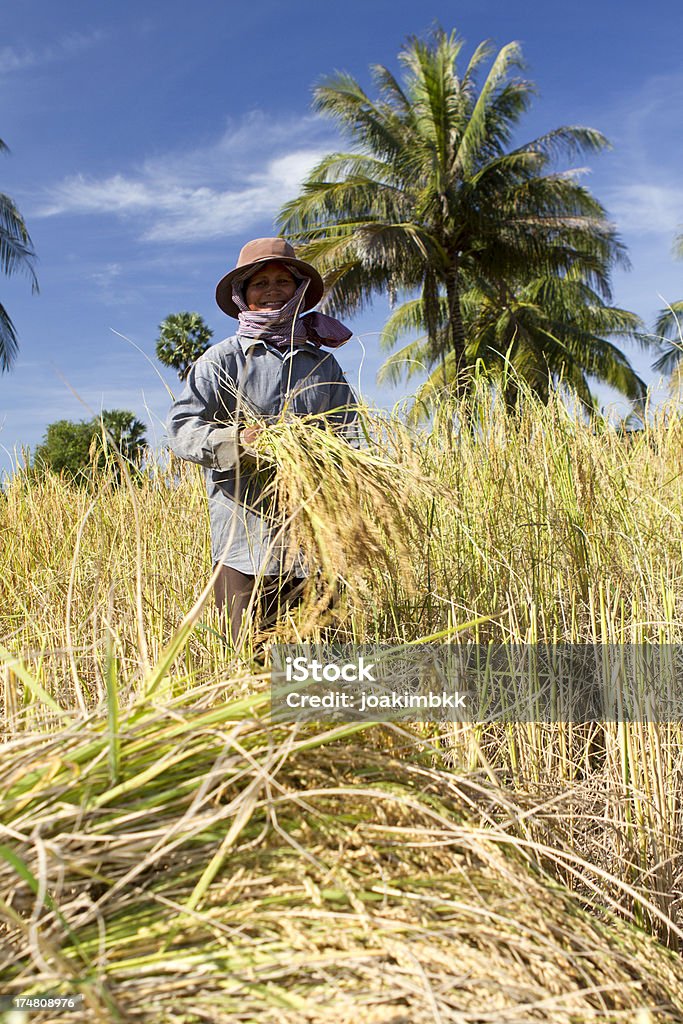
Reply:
x=270, y=287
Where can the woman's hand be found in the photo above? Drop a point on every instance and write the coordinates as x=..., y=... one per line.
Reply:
x=249, y=434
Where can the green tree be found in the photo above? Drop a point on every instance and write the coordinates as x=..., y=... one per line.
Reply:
x=16, y=254
x=433, y=200
x=65, y=447
x=124, y=431
x=78, y=448
x=669, y=330
x=183, y=337
x=547, y=330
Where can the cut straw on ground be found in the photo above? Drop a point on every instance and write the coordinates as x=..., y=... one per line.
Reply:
x=174, y=856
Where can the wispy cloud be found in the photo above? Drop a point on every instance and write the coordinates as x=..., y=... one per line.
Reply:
x=649, y=116
x=644, y=192
x=13, y=58
x=647, y=208
x=210, y=192
x=176, y=212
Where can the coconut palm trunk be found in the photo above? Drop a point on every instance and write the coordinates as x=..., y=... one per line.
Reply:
x=456, y=332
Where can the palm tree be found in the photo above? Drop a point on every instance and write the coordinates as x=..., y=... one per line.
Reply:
x=125, y=431
x=432, y=200
x=669, y=330
x=182, y=339
x=549, y=329
x=16, y=254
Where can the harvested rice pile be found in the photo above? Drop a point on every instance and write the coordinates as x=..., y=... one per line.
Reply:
x=204, y=866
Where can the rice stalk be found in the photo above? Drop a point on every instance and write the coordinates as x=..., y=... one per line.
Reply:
x=356, y=882
x=527, y=525
x=356, y=512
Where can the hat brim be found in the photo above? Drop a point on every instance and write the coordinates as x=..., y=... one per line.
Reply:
x=312, y=297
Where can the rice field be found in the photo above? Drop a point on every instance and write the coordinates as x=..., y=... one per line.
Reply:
x=169, y=854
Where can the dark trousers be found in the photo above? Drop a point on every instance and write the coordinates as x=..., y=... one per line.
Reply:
x=233, y=591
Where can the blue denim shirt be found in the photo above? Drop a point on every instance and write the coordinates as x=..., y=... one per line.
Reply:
x=233, y=384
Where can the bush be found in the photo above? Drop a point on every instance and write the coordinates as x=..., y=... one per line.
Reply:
x=80, y=448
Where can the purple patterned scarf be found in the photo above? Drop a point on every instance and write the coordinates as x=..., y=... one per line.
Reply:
x=283, y=327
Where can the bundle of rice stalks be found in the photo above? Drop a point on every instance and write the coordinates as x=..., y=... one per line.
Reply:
x=356, y=511
x=202, y=865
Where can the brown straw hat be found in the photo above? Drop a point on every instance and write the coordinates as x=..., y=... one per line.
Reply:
x=264, y=250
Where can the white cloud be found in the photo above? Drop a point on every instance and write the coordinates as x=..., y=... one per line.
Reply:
x=647, y=208
x=13, y=58
x=210, y=192
x=207, y=213
x=107, y=282
x=644, y=192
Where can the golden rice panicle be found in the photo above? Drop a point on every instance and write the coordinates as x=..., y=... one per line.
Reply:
x=355, y=510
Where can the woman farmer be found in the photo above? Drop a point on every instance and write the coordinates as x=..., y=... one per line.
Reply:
x=274, y=364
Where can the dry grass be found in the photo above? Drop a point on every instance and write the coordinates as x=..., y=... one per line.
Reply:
x=234, y=872
x=200, y=858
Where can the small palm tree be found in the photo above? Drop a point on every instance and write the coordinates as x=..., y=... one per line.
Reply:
x=183, y=337
x=431, y=199
x=669, y=330
x=125, y=431
x=16, y=254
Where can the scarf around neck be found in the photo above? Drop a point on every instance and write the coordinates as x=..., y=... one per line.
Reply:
x=284, y=327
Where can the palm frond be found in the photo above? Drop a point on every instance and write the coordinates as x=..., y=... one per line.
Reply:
x=16, y=248
x=481, y=129
x=502, y=260
x=669, y=332
x=406, y=319
x=8, y=340
x=411, y=360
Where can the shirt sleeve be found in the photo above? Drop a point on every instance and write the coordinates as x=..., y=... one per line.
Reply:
x=200, y=424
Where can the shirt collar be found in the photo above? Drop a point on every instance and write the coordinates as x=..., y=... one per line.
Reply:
x=248, y=343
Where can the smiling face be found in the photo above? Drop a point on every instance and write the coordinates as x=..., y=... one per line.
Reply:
x=270, y=287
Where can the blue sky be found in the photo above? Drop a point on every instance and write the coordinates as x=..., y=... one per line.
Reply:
x=150, y=140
